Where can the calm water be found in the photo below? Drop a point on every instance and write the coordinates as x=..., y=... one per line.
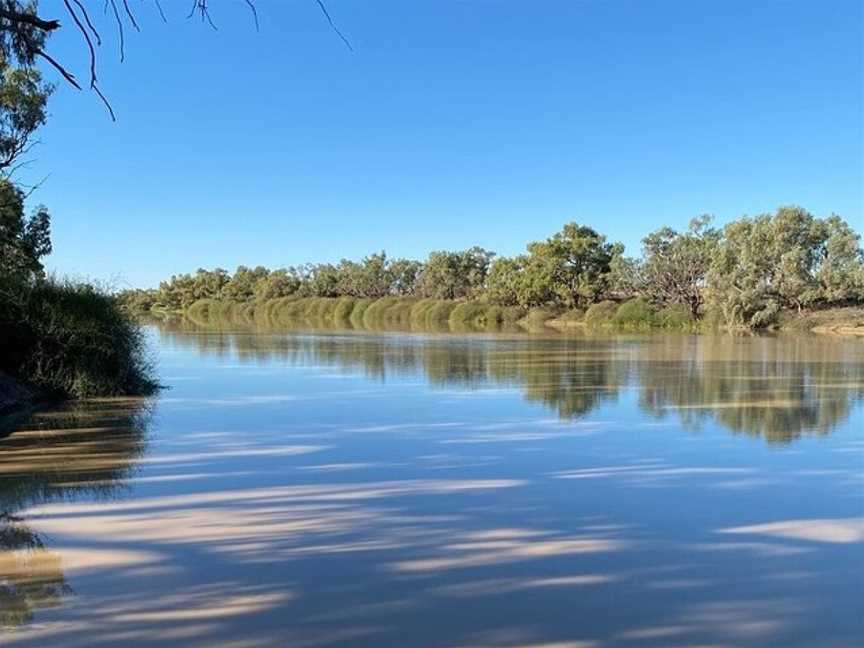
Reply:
x=323, y=489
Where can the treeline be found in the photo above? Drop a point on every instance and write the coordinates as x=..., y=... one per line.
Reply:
x=743, y=275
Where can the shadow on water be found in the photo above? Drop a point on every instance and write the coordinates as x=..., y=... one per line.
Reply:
x=57, y=455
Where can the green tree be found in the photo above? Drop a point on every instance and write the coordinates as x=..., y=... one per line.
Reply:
x=504, y=283
x=320, y=280
x=841, y=268
x=241, y=287
x=787, y=260
x=571, y=268
x=455, y=275
x=210, y=284
x=675, y=264
x=279, y=283
x=23, y=240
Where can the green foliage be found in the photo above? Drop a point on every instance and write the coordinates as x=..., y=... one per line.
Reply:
x=504, y=284
x=635, y=314
x=601, y=314
x=572, y=268
x=73, y=340
x=439, y=313
x=23, y=240
x=359, y=311
x=746, y=275
x=787, y=260
x=468, y=314
x=575, y=263
x=344, y=307
x=23, y=100
x=537, y=317
x=455, y=275
x=677, y=317
x=675, y=265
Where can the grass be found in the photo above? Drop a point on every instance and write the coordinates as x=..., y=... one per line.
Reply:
x=72, y=340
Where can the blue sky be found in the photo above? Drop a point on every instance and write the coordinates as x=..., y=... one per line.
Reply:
x=453, y=123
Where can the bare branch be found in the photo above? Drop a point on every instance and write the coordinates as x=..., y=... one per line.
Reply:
x=89, y=24
x=131, y=15
x=119, y=28
x=70, y=78
x=86, y=35
x=161, y=12
x=332, y=24
x=254, y=11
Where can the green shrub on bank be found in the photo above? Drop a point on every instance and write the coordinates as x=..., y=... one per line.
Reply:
x=71, y=339
x=359, y=311
x=635, y=314
x=343, y=308
x=375, y=314
x=399, y=312
x=420, y=311
x=676, y=318
x=438, y=314
x=572, y=315
x=471, y=314
x=600, y=314
x=536, y=318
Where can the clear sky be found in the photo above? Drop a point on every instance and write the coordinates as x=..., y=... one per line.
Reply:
x=453, y=123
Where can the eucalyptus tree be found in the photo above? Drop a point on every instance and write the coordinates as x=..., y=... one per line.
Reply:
x=786, y=260
x=24, y=239
x=675, y=265
x=455, y=275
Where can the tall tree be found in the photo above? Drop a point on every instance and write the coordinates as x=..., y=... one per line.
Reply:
x=24, y=240
x=675, y=264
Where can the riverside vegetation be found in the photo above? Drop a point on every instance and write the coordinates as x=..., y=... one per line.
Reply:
x=58, y=338
x=789, y=270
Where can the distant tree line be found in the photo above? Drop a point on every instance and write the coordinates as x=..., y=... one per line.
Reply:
x=745, y=273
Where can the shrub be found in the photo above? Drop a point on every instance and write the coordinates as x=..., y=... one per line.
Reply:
x=572, y=315
x=439, y=313
x=420, y=311
x=469, y=313
x=635, y=314
x=343, y=308
x=676, y=317
x=399, y=312
x=359, y=310
x=601, y=313
x=536, y=318
x=71, y=339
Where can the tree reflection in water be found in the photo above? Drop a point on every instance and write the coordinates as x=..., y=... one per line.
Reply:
x=778, y=387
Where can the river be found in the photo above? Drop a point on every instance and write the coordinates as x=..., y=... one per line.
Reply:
x=326, y=488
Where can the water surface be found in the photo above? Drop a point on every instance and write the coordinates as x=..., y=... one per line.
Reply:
x=325, y=488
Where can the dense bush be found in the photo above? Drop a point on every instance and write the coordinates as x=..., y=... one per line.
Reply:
x=601, y=314
x=70, y=339
x=635, y=314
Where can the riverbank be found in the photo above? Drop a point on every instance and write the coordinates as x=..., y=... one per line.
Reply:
x=67, y=340
x=433, y=315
